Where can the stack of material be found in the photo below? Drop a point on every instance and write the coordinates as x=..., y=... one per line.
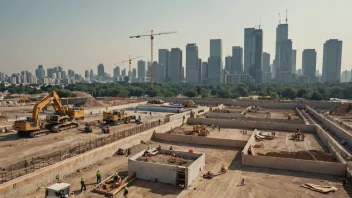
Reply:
x=319, y=188
x=109, y=188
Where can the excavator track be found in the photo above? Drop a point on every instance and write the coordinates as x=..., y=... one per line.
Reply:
x=33, y=134
x=63, y=127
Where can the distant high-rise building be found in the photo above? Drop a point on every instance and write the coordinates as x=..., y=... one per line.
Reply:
x=266, y=62
x=216, y=48
x=248, y=48
x=332, y=61
x=164, y=60
x=101, y=70
x=214, y=71
x=2, y=76
x=40, y=72
x=309, y=64
x=134, y=73
x=281, y=35
x=294, y=53
x=86, y=74
x=255, y=68
x=299, y=72
x=123, y=73
x=182, y=74
x=71, y=73
x=204, y=71
x=91, y=74
x=116, y=71
x=156, y=72
x=141, y=69
x=176, y=65
x=237, y=60
x=192, y=60
x=317, y=73
x=228, y=60
x=285, y=56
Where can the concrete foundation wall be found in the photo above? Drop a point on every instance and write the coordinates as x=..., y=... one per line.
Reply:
x=252, y=124
x=264, y=104
x=239, y=116
x=330, y=168
x=150, y=171
x=29, y=183
x=199, y=140
x=331, y=126
x=118, y=107
x=300, y=116
x=194, y=169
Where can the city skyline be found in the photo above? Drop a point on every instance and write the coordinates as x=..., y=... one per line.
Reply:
x=57, y=39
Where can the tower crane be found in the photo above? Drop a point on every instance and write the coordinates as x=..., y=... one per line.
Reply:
x=151, y=35
x=129, y=63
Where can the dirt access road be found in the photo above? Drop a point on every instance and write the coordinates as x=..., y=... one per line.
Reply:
x=260, y=182
x=14, y=148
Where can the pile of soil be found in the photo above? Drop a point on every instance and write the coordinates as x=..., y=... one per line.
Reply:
x=166, y=159
x=90, y=102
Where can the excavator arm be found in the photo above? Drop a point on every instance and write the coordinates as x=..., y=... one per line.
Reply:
x=52, y=96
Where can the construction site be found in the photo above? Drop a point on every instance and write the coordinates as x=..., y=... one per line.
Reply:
x=206, y=148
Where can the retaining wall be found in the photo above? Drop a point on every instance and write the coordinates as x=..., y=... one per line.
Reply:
x=199, y=140
x=331, y=126
x=330, y=168
x=252, y=124
x=150, y=171
x=194, y=169
x=29, y=183
x=300, y=116
x=239, y=116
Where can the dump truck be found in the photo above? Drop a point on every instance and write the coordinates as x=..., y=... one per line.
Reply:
x=57, y=122
x=58, y=190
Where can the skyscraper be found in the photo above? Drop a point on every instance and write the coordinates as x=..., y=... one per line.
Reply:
x=228, y=60
x=332, y=61
x=164, y=60
x=285, y=56
x=216, y=48
x=294, y=53
x=40, y=72
x=176, y=65
x=91, y=74
x=86, y=74
x=309, y=63
x=266, y=62
x=204, y=72
x=237, y=60
x=134, y=73
x=192, y=60
x=248, y=33
x=214, y=71
x=156, y=72
x=281, y=35
x=101, y=71
x=141, y=70
x=116, y=71
x=255, y=68
x=123, y=72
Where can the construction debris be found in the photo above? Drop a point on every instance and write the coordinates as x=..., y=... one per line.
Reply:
x=319, y=188
x=109, y=187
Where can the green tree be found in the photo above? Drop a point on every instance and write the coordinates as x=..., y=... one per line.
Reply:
x=241, y=91
x=316, y=96
x=301, y=93
x=190, y=93
x=224, y=93
x=289, y=93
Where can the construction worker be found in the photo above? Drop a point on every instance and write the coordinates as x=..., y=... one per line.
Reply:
x=213, y=126
x=149, y=147
x=125, y=192
x=219, y=127
x=159, y=121
x=83, y=186
x=289, y=117
x=98, y=177
x=116, y=177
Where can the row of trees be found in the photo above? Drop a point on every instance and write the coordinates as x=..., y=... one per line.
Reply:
x=272, y=91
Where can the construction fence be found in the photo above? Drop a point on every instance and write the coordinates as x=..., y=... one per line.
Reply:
x=32, y=164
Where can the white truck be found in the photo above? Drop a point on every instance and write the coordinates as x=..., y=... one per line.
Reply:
x=58, y=190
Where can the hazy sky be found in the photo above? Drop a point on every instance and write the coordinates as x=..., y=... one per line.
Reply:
x=80, y=34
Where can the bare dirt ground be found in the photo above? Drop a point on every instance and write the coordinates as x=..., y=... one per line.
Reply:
x=275, y=113
x=224, y=133
x=14, y=148
x=283, y=146
x=260, y=182
x=166, y=159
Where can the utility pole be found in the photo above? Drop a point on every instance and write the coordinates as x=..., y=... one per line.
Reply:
x=151, y=35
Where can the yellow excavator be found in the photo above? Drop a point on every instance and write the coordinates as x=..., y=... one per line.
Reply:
x=61, y=120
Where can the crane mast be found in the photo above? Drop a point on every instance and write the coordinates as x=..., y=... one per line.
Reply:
x=151, y=35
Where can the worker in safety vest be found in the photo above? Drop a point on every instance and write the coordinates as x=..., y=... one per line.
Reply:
x=98, y=177
x=125, y=192
x=83, y=186
x=116, y=177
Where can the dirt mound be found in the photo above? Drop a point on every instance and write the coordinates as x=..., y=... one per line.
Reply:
x=342, y=110
x=90, y=102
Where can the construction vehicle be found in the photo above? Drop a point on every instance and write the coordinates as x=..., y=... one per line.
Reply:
x=58, y=190
x=4, y=130
x=88, y=128
x=75, y=113
x=201, y=130
x=114, y=117
x=33, y=127
x=210, y=175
